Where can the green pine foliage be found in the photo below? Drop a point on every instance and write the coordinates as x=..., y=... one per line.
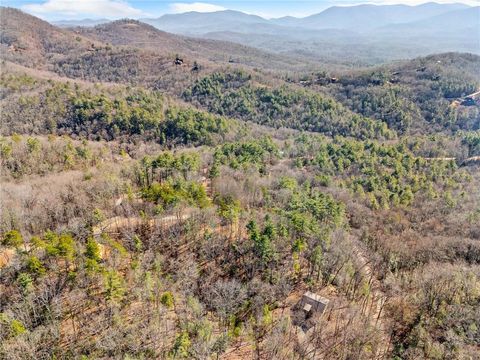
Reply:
x=109, y=113
x=234, y=94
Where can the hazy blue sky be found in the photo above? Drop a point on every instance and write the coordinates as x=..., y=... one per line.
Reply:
x=112, y=9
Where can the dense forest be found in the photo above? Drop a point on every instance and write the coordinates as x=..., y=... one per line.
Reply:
x=232, y=94
x=173, y=212
x=410, y=97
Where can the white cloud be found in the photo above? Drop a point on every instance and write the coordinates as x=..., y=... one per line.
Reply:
x=196, y=6
x=83, y=8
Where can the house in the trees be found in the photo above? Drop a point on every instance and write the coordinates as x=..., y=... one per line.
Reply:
x=468, y=101
x=178, y=61
x=313, y=304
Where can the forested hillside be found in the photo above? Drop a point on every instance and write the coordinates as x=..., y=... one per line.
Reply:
x=103, y=113
x=418, y=96
x=235, y=95
x=131, y=32
x=150, y=210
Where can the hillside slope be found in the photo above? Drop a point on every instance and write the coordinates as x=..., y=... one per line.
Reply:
x=30, y=41
x=163, y=197
x=218, y=76
x=141, y=35
x=125, y=51
x=418, y=95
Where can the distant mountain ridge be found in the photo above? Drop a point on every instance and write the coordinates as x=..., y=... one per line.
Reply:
x=353, y=35
x=82, y=22
x=367, y=17
x=194, y=23
x=367, y=34
x=360, y=18
x=463, y=20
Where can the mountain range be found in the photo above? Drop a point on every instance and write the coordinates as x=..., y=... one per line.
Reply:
x=366, y=17
x=362, y=19
x=369, y=33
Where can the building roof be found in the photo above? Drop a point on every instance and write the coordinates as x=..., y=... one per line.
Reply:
x=316, y=297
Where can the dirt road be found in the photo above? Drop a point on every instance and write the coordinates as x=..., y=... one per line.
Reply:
x=376, y=301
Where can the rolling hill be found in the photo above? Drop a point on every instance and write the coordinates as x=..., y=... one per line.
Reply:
x=134, y=53
x=125, y=51
x=369, y=34
x=141, y=35
x=30, y=41
x=415, y=96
